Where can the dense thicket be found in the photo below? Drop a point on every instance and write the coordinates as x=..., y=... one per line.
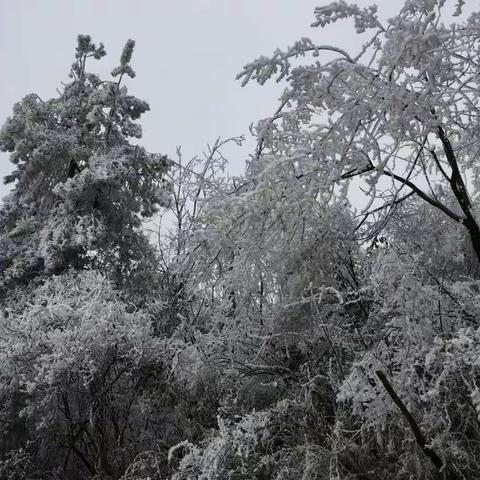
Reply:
x=275, y=331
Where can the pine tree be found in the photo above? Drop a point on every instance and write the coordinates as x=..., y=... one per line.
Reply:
x=81, y=187
x=77, y=351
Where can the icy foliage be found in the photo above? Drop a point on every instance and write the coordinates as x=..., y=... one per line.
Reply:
x=74, y=356
x=259, y=446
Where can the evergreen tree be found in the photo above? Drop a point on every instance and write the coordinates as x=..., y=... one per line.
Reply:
x=81, y=187
x=79, y=364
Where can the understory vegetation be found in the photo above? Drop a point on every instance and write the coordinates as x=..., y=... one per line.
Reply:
x=316, y=318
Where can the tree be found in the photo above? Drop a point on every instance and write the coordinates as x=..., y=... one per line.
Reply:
x=81, y=368
x=80, y=187
x=403, y=337
x=400, y=114
x=79, y=372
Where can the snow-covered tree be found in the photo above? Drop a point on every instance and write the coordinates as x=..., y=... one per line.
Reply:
x=81, y=368
x=78, y=368
x=401, y=113
x=80, y=187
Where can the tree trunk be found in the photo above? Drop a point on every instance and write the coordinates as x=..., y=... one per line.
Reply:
x=474, y=233
x=459, y=189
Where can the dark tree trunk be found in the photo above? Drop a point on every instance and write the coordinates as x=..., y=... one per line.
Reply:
x=461, y=194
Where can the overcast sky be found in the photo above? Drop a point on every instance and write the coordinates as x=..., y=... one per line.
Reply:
x=187, y=55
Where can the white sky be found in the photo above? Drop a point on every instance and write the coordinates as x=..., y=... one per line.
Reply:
x=187, y=55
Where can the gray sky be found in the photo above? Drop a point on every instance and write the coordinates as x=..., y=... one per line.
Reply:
x=186, y=57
